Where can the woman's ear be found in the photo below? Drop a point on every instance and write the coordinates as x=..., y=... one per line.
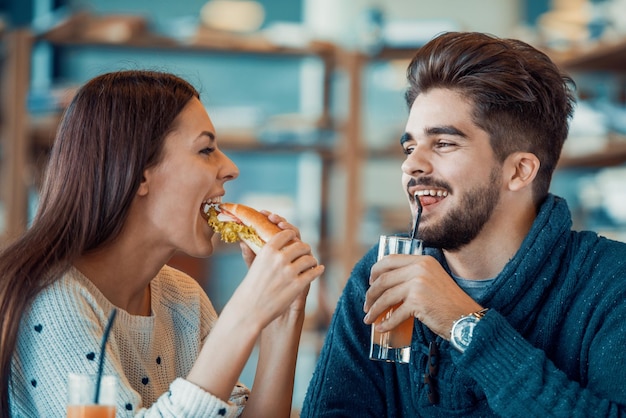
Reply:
x=523, y=168
x=143, y=186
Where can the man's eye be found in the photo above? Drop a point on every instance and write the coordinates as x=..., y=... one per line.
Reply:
x=444, y=144
x=408, y=150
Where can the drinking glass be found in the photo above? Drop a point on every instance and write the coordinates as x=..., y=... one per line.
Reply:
x=81, y=390
x=395, y=344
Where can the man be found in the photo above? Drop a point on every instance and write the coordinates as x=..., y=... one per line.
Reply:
x=547, y=305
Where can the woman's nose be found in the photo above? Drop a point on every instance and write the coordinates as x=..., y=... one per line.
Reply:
x=229, y=170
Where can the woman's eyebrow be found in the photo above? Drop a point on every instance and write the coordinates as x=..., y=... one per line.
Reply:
x=208, y=134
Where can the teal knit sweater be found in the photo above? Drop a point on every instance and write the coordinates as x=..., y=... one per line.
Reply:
x=552, y=344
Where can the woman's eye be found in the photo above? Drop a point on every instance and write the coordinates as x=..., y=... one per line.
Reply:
x=408, y=150
x=207, y=151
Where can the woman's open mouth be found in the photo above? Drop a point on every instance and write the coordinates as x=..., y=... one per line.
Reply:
x=204, y=207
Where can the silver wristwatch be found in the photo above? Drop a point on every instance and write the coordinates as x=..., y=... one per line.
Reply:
x=463, y=328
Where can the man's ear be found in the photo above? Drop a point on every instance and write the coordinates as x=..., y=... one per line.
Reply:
x=522, y=168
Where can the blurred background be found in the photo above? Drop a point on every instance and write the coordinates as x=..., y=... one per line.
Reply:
x=307, y=99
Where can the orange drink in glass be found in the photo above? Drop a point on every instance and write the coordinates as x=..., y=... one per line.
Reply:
x=81, y=396
x=91, y=411
x=394, y=345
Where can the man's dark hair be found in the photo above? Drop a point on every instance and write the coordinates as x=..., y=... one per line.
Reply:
x=520, y=97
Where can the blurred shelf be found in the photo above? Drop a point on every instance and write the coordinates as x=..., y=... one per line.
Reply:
x=389, y=152
x=603, y=56
x=42, y=130
x=232, y=45
x=84, y=29
x=388, y=53
x=613, y=154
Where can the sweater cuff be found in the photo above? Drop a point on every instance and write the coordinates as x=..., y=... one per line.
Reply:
x=498, y=356
x=194, y=401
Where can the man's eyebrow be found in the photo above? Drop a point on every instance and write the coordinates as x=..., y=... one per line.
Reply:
x=446, y=130
x=435, y=130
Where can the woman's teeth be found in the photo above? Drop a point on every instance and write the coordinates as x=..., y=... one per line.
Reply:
x=434, y=193
x=211, y=202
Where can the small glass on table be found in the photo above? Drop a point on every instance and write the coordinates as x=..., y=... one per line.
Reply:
x=395, y=344
x=82, y=396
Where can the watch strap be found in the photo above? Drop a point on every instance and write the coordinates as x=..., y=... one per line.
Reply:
x=479, y=314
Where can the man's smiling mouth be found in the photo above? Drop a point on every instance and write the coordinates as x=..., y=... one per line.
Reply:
x=430, y=196
x=432, y=192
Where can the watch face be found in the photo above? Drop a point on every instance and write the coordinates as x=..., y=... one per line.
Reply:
x=462, y=332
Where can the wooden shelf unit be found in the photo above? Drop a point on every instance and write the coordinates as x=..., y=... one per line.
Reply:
x=25, y=132
x=19, y=128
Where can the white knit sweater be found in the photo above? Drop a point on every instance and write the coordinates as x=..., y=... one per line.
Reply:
x=61, y=334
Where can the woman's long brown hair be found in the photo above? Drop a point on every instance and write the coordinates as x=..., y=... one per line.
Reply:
x=112, y=131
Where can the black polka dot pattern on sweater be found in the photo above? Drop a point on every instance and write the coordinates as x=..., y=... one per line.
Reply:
x=145, y=381
x=158, y=360
x=222, y=412
x=91, y=356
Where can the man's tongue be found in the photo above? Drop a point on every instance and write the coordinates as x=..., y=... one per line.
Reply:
x=429, y=200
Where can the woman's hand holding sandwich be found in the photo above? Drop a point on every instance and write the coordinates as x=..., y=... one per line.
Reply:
x=270, y=300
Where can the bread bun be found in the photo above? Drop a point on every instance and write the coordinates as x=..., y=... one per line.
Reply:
x=234, y=221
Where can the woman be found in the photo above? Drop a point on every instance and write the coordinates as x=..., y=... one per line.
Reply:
x=134, y=162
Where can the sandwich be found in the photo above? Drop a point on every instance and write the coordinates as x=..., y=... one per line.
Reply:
x=236, y=222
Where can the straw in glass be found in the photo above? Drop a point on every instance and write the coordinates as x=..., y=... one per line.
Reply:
x=105, y=338
x=418, y=215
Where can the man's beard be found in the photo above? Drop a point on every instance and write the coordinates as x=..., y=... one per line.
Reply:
x=464, y=222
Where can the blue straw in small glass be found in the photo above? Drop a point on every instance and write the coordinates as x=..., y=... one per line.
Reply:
x=105, y=338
